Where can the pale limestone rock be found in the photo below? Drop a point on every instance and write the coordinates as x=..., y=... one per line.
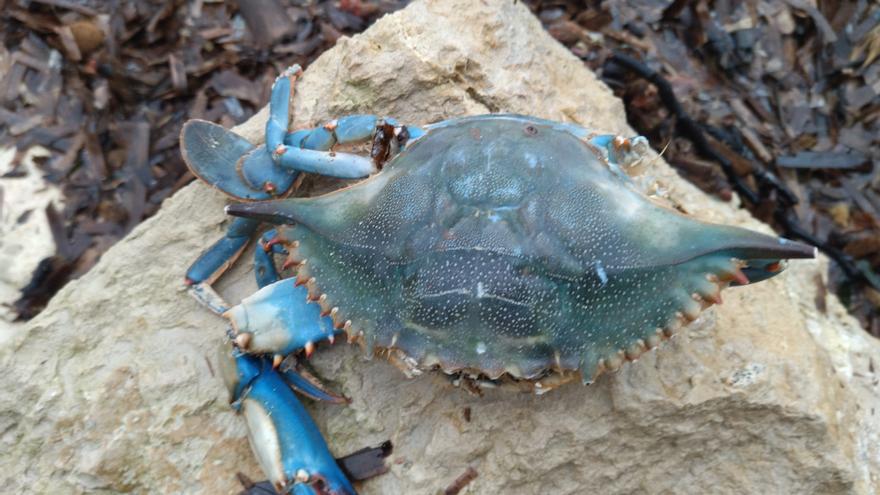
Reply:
x=114, y=387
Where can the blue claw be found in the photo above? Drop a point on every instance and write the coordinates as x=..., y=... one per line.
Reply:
x=287, y=443
x=279, y=319
x=305, y=383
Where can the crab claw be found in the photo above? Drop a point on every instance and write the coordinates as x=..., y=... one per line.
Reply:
x=279, y=319
x=308, y=384
x=287, y=443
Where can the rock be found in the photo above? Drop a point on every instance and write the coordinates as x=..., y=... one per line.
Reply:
x=114, y=387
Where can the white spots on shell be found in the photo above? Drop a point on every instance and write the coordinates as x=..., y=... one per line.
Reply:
x=531, y=160
x=502, y=256
x=600, y=272
x=628, y=207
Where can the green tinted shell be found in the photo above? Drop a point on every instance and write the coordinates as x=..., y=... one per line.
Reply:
x=506, y=244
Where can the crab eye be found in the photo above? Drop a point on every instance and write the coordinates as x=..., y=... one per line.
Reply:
x=530, y=130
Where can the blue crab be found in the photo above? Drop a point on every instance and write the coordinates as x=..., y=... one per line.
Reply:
x=500, y=249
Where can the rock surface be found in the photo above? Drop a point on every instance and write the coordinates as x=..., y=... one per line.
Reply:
x=114, y=387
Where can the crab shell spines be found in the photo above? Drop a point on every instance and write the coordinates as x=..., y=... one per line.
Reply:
x=507, y=245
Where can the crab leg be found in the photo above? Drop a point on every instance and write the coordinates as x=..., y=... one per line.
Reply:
x=257, y=174
x=216, y=260
x=279, y=319
x=288, y=444
x=343, y=165
x=264, y=265
x=300, y=150
x=345, y=130
x=350, y=129
x=621, y=152
x=257, y=167
x=230, y=163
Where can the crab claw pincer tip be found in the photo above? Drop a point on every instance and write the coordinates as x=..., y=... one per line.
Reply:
x=243, y=340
